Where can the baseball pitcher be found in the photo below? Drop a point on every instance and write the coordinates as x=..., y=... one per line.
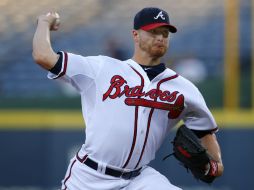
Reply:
x=129, y=108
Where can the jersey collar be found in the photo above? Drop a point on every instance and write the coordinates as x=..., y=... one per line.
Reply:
x=167, y=72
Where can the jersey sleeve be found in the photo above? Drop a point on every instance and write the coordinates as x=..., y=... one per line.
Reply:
x=198, y=116
x=77, y=70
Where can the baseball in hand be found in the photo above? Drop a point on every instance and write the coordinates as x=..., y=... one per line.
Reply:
x=56, y=20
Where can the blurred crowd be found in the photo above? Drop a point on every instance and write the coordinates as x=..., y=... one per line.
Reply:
x=93, y=27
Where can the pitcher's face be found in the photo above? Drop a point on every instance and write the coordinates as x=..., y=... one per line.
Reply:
x=154, y=42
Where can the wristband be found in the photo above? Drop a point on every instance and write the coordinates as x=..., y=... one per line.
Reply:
x=213, y=168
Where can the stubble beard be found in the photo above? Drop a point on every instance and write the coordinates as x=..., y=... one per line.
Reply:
x=153, y=51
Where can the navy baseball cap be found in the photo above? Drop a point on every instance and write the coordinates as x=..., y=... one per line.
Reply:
x=152, y=17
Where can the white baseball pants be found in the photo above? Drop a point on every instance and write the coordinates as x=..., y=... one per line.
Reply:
x=81, y=177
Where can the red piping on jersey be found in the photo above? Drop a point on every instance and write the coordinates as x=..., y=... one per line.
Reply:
x=135, y=123
x=150, y=117
x=147, y=133
x=166, y=79
x=65, y=65
x=213, y=130
x=82, y=160
x=134, y=137
x=69, y=175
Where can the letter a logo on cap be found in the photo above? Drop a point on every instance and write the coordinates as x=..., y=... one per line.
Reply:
x=160, y=15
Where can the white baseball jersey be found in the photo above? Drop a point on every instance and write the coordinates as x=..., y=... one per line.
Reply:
x=127, y=116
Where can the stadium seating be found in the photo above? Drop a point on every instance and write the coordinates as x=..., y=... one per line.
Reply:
x=86, y=27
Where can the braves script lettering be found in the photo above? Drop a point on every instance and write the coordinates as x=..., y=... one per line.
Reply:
x=135, y=96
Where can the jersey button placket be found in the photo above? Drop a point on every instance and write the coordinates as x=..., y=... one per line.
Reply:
x=142, y=121
x=141, y=134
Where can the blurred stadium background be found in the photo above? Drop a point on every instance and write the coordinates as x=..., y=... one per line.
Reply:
x=40, y=120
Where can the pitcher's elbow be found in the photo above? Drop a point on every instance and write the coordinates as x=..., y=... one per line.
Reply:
x=41, y=60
